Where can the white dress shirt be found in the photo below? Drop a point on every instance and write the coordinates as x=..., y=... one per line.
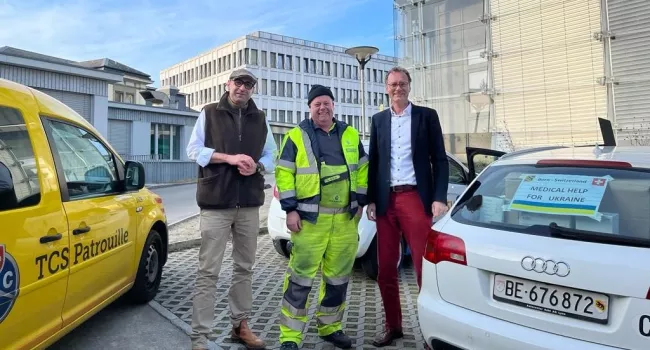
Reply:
x=197, y=151
x=402, y=171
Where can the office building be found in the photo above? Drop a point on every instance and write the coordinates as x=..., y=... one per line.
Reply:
x=286, y=68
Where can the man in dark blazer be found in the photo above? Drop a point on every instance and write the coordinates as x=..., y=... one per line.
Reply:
x=407, y=186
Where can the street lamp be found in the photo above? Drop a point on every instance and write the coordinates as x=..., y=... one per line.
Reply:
x=362, y=54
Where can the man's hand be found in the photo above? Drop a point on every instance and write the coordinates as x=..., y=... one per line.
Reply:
x=438, y=209
x=241, y=160
x=293, y=222
x=247, y=171
x=359, y=211
x=371, y=211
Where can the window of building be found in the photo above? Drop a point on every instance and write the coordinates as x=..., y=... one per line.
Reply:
x=274, y=88
x=19, y=185
x=274, y=115
x=298, y=116
x=274, y=60
x=335, y=69
x=290, y=117
x=264, y=59
x=288, y=63
x=327, y=69
x=282, y=116
x=88, y=167
x=306, y=90
x=356, y=122
x=305, y=66
x=369, y=99
x=320, y=67
x=240, y=60
x=265, y=89
x=298, y=91
x=281, y=91
x=297, y=63
x=312, y=66
x=306, y=115
x=335, y=92
x=266, y=113
x=253, y=59
x=247, y=56
x=118, y=96
x=280, y=61
x=289, y=89
x=165, y=142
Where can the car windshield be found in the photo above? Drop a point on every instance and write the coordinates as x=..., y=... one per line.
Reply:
x=606, y=205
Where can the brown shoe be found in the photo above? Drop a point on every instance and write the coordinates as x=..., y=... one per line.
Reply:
x=245, y=335
x=386, y=337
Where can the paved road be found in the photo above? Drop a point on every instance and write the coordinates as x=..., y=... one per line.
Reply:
x=180, y=201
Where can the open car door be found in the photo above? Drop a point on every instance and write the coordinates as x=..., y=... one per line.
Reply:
x=479, y=158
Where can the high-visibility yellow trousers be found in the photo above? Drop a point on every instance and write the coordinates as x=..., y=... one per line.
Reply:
x=332, y=245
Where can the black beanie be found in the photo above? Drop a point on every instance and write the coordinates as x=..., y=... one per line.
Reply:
x=318, y=90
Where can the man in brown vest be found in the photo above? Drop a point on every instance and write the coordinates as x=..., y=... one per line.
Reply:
x=233, y=145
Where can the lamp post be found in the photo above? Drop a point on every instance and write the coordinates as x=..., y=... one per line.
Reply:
x=362, y=54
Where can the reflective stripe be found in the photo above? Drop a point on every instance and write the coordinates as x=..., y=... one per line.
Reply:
x=353, y=167
x=302, y=281
x=328, y=310
x=293, y=310
x=313, y=169
x=354, y=205
x=329, y=319
x=292, y=323
x=363, y=160
x=287, y=164
x=326, y=210
x=287, y=194
x=362, y=190
x=336, y=281
x=310, y=208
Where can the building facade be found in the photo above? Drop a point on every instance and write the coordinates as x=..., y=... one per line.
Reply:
x=286, y=68
x=119, y=102
x=519, y=73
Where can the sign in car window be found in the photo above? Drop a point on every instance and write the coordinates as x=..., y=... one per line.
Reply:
x=560, y=194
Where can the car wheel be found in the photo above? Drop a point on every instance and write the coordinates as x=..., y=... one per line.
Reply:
x=370, y=263
x=281, y=246
x=147, y=279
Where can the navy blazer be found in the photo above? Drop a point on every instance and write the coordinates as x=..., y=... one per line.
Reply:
x=429, y=158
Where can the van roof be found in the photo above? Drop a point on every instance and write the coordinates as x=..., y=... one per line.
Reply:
x=47, y=104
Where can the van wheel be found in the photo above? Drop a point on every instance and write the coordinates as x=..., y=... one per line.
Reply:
x=147, y=280
x=370, y=263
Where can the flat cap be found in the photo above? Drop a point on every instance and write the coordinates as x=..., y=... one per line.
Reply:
x=243, y=74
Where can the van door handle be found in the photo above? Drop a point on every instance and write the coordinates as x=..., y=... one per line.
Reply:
x=51, y=238
x=79, y=231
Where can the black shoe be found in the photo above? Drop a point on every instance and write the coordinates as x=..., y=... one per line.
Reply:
x=339, y=339
x=289, y=345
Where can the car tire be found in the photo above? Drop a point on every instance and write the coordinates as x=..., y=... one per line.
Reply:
x=149, y=275
x=281, y=246
x=370, y=263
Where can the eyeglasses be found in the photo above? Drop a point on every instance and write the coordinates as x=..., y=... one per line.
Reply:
x=402, y=84
x=247, y=84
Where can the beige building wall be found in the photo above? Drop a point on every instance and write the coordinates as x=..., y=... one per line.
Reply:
x=546, y=72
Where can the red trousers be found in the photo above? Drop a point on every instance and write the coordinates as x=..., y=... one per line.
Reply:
x=405, y=215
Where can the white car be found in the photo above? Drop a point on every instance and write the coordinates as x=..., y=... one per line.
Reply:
x=367, y=252
x=546, y=249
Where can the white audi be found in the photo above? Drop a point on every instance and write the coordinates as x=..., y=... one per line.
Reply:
x=367, y=252
x=546, y=249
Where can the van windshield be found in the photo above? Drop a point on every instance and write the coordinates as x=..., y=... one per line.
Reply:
x=605, y=205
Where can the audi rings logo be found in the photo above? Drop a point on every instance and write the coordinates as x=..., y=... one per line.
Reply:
x=549, y=267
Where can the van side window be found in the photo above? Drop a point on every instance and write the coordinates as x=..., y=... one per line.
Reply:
x=19, y=185
x=88, y=167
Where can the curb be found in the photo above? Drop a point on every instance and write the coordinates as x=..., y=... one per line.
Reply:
x=196, y=242
x=173, y=224
x=186, y=328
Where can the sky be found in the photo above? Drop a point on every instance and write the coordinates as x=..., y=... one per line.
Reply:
x=150, y=35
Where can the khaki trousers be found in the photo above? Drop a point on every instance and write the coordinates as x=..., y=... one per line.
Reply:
x=216, y=227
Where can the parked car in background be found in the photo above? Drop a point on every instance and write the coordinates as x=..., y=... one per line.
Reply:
x=546, y=249
x=79, y=230
x=367, y=251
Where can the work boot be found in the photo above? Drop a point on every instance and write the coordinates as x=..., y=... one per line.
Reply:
x=244, y=335
x=339, y=339
x=289, y=345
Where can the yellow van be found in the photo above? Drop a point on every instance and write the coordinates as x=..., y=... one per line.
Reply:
x=77, y=227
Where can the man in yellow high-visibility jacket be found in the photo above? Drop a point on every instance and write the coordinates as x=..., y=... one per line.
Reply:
x=322, y=180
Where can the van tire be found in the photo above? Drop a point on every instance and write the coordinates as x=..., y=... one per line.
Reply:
x=370, y=264
x=147, y=282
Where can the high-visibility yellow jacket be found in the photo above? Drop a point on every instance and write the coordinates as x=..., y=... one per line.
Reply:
x=297, y=174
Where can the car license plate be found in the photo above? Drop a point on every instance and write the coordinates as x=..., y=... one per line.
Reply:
x=562, y=301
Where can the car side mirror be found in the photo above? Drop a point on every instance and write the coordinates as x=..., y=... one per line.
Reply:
x=134, y=179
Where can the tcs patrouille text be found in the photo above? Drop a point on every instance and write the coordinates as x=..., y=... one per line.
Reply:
x=59, y=260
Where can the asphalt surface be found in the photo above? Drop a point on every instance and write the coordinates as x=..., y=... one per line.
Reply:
x=180, y=201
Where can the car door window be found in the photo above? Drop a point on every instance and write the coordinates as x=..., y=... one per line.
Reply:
x=88, y=166
x=19, y=186
x=456, y=173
